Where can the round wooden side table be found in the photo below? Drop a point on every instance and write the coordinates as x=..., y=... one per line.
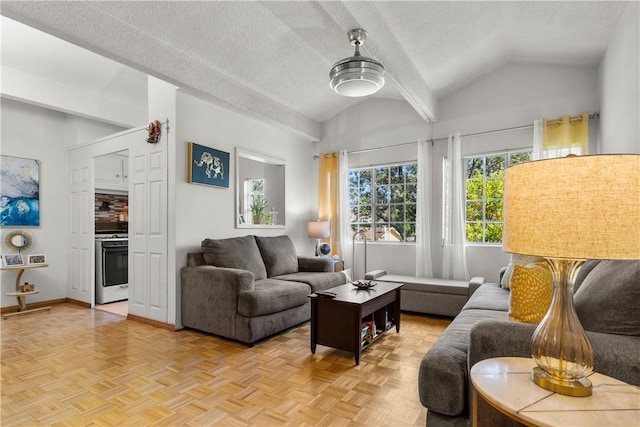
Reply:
x=505, y=384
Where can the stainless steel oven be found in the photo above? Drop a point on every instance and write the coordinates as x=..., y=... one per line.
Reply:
x=112, y=269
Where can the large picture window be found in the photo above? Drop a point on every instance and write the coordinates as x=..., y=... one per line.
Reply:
x=382, y=202
x=484, y=193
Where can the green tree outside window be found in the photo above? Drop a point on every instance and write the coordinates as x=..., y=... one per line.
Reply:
x=484, y=195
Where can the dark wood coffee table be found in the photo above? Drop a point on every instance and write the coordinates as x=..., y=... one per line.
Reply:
x=338, y=322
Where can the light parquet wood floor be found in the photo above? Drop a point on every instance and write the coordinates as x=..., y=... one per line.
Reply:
x=80, y=367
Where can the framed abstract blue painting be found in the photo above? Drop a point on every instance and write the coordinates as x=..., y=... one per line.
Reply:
x=208, y=166
x=19, y=192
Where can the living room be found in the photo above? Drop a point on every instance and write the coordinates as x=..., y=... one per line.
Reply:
x=511, y=95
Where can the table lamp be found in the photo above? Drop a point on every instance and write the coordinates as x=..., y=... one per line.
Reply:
x=319, y=230
x=568, y=210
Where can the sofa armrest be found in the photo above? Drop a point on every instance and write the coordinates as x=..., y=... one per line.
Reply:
x=616, y=356
x=315, y=264
x=475, y=283
x=499, y=338
x=210, y=297
x=372, y=275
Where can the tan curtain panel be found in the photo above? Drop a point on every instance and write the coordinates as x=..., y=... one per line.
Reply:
x=566, y=135
x=329, y=198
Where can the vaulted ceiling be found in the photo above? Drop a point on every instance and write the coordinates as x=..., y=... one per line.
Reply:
x=270, y=60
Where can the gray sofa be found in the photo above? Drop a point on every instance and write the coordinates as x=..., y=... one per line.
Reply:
x=248, y=288
x=606, y=298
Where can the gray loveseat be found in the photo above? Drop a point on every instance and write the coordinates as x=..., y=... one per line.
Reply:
x=607, y=300
x=248, y=288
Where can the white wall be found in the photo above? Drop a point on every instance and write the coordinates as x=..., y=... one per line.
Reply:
x=619, y=86
x=210, y=212
x=38, y=133
x=512, y=96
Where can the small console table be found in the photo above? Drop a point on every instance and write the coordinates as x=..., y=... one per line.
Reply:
x=22, y=296
x=505, y=384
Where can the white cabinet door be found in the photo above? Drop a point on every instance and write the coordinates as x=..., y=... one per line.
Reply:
x=109, y=169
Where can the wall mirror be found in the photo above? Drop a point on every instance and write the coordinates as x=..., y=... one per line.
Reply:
x=18, y=240
x=260, y=195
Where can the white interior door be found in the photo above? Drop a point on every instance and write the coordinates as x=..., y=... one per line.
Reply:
x=81, y=249
x=148, y=263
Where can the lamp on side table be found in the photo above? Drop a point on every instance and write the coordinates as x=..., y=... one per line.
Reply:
x=320, y=230
x=569, y=210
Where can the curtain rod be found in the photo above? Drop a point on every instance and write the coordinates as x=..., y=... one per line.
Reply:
x=593, y=116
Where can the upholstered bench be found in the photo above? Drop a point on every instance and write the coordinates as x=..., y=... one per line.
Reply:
x=430, y=295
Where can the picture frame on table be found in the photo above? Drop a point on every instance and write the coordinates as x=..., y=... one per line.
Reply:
x=208, y=166
x=36, y=259
x=12, y=260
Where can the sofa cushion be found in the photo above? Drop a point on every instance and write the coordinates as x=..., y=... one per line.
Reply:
x=279, y=255
x=517, y=259
x=489, y=296
x=531, y=292
x=317, y=281
x=272, y=296
x=236, y=252
x=584, y=272
x=609, y=297
x=429, y=284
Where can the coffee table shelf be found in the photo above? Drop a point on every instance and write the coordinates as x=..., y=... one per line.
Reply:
x=338, y=322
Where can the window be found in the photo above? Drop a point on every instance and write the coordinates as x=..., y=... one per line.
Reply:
x=484, y=191
x=382, y=201
x=254, y=193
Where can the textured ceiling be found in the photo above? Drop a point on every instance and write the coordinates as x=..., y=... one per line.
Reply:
x=270, y=60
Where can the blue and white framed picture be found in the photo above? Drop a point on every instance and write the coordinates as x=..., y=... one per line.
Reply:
x=19, y=192
x=208, y=166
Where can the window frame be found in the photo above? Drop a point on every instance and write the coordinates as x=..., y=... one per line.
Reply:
x=389, y=204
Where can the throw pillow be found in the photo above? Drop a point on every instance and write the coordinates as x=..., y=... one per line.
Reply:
x=531, y=292
x=609, y=298
x=584, y=272
x=236, y=252
x=517, y=259
x=279, y=255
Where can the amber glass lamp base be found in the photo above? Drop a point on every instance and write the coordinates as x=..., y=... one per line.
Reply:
x=560, y=346
x=578, y=388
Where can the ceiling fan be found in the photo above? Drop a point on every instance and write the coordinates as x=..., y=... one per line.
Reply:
x=357, y=75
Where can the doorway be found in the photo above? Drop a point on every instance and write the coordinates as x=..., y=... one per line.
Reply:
x=111, y=218
x=120, y=307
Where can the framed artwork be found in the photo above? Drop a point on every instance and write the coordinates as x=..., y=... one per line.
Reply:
x=19, y=192
x=35, y=259
x=12, y=260
x=208, y=166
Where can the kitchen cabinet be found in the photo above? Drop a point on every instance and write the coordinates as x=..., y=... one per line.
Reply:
x=112, y=172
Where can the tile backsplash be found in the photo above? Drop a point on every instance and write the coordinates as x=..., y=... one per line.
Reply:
x=111, y=208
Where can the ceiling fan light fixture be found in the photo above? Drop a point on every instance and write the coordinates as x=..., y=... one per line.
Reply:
x=357, y=75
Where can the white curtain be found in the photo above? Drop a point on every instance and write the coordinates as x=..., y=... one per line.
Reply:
x=423, y=210
x=454, y=265
x=537, y=140
x=345, y=228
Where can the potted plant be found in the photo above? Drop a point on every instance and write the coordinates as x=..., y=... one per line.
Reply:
x=258, y=205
